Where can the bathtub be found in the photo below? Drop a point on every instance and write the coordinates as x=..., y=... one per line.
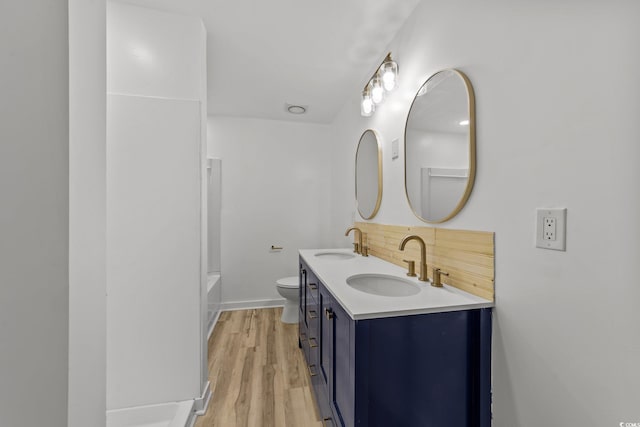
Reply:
x=175, y=414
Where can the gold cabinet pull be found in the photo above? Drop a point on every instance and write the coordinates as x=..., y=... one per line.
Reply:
x=312, y=372
x=328, y=313
x=313, y=342
x=312, y=314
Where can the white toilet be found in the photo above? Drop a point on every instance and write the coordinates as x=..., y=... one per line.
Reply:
x=288, y=287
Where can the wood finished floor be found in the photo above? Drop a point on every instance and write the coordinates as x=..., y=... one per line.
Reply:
x=258, y=374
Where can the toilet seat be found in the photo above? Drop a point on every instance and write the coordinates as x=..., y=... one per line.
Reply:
x=288, y=282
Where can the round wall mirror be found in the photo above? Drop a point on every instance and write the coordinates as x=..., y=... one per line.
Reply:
x=368, y=175
x=440, y=147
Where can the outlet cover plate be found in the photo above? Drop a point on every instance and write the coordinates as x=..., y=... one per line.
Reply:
x=559, y=221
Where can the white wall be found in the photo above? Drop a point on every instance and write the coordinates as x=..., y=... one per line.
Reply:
x=34, y=217
x=161, y=57
x=153, y=251
x=274, y=192
x=557, y=105
x=87, y=216
x=154, y=53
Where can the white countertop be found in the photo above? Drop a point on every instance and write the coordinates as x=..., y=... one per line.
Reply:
x=361, y=305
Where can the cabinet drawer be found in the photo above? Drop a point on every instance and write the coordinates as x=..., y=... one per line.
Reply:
x=313, y=329
x=303, y=340
x=312, y=284
x=312, y=365
x=312, y=287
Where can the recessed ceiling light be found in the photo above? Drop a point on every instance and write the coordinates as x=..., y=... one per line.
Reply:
x=296, y=109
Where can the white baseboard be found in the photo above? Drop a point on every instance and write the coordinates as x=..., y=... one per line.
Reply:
x=245, y=305
x=200, y=405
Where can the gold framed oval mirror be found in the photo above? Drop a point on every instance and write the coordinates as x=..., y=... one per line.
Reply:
x=440, y=147
x=368, y=174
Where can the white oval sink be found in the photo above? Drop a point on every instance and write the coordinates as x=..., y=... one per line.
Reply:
x=335, y=255
x=383, y=285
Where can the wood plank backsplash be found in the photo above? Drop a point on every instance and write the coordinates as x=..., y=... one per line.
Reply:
x=468, y=256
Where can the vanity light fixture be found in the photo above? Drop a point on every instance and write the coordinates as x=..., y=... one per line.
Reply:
x=385, y=79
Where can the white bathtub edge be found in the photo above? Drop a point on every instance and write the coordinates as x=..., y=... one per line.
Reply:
x=184, y=414
x=181, y=417
x=245, y=305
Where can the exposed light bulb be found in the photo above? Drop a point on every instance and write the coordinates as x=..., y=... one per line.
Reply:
x=389, y=70
x=377, y=92
x=389, y=81
x=366, y=106
x=464, y=123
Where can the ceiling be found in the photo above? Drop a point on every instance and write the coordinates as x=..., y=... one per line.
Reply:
x=262, y=55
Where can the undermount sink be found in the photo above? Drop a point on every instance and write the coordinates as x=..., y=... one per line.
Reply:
x=383, y=285
x=335, y=255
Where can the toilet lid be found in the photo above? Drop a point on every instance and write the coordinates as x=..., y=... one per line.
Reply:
x=288, y=282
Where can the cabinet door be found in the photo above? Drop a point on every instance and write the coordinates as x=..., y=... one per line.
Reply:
x=326, y=338
x=326, y=352
x=342, y=391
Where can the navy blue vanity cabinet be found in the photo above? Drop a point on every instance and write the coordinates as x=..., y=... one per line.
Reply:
x=418, y=370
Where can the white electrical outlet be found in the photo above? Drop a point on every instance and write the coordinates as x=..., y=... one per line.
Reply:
x=550, y=229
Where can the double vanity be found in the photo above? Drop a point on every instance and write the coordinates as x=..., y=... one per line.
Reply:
x=384, y=349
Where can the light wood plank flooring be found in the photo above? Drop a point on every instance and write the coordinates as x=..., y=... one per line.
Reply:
x=258, y=374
